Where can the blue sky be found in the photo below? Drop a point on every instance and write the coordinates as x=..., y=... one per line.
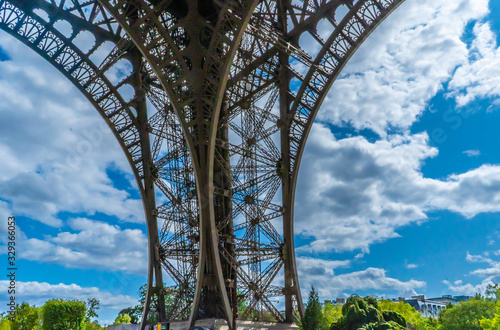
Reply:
x=398, y=193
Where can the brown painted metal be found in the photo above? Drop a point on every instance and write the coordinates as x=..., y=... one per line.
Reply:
x=229, y=122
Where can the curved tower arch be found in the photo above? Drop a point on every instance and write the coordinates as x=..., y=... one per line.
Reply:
x=236, y=97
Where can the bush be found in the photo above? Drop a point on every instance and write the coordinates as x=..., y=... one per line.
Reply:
x=122, y=319
x=59, y=314
x=27, y=317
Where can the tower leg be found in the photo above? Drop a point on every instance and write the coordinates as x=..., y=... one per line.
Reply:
x=211, y=297
x=155, y=277
x=288, y=184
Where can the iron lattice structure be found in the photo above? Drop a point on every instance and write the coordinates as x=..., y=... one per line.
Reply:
x=212, y=102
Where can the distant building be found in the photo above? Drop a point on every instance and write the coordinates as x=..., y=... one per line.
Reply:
x=432, y=306
x=338, y=301
x=462, y=298
x=398, y=299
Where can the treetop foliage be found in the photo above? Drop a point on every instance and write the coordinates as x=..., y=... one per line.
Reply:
x=55, y=314
x=122, y=319
x=365, y=313
x=58, y=314
x=467, y=315
x=313, y=313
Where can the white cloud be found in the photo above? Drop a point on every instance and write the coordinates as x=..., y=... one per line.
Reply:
x=320, y=275
x=390, y=80
x=472, y=153
x=56, y=148
x=37, y=293
x=94, y=244
x=469, y=289
x=479, y=77
x=359, y=192
x=490, y=275
x=491, y=272
x=344, y=180
x=411, y=266
x=320, y=267
x=5, y=213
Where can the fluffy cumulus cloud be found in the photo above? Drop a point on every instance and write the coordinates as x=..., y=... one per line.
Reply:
x=91, y=244
x=56, y=148
x=358, y=192
x=480, y=77
x=341, y=189
x=320, y=267
x=492, y=271
x=469, y=289
x=37, y=293
x=394, y=74
x=320, y=274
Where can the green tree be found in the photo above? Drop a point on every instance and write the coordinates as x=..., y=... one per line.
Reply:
x=170, y=300
x=414, y=319
x=365, y=313
x=92, y=306
x=313, y=316
x=407, y=311
x=122, y=319
x=59, y=314
x=27, y=317
x=246, y=312
x=5, y=323
x=493, y=291
x=467, y=314
x=492, y=324
x=133, y=312
x=430, y=324
x=152, y=315
x=331, y=314
x=93, y=326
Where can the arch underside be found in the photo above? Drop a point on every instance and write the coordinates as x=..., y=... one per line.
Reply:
x=228, y=129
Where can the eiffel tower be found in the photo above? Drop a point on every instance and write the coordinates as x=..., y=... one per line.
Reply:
x=212, y=102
